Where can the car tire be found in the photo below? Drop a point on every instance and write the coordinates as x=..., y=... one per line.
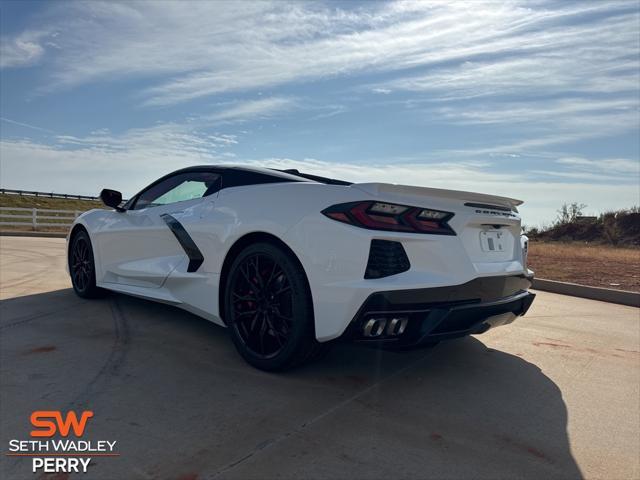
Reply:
x=82, y=266
x=268, y=308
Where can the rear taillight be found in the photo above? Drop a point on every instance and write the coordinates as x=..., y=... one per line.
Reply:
x=391, y=217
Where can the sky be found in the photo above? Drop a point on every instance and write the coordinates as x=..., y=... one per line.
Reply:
x=536, y=100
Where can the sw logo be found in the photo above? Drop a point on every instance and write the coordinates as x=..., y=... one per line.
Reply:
x=44, y=420
x=49, y=422
x=60, y=454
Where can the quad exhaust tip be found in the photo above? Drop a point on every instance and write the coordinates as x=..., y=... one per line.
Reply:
x=375, y=327
x=397, y=326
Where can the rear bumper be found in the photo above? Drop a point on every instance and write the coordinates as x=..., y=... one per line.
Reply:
x=434, y=314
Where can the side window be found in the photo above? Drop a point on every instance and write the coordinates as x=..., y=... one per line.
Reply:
x=178, y=188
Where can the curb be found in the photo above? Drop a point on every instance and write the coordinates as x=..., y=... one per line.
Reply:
x=9, y=233
x=621, y=297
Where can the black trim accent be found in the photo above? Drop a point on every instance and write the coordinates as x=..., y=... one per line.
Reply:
x=442, y=313
x=481, y=289
x=315, y=178
x=111, y=198
x=490, y=207
x=446, y=322
x=386, y=258
x=237, y=177
x=186, y=242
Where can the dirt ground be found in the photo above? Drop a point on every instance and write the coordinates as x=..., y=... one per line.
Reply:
x=594, y=265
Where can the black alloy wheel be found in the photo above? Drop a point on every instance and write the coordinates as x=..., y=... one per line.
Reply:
x=268, y=308
x=262, y=305
x=82, y=267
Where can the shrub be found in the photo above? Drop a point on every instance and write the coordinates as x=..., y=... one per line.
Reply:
x=620, y=227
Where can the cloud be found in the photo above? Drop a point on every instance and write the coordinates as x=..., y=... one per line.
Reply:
x=251, y=110
x=215, y=47
x=604, y=68
x=127, y=160
x=621, y=166
x=539, y=123
x=161, y=141
x=571, y=111
x=25, y=125
x=22, y=50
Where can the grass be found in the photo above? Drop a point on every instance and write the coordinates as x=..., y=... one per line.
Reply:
x=594, y=265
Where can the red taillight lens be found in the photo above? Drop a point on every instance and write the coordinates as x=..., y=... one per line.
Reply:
x=391, y=217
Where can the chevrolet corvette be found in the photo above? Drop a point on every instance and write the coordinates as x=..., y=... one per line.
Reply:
x=291, y=263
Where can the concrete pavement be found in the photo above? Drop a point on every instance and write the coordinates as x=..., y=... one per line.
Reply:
x=554, y=395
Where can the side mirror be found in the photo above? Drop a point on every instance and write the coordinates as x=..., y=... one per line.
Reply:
x=111, y=198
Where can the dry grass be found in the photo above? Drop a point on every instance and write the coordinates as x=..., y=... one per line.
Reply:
x=594, y=265
x=28, y=201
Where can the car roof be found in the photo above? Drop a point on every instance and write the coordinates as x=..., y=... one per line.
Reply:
x=246, y=168
x=284, y=175
x=243, y=175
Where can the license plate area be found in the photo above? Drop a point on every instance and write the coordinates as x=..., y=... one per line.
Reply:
x=492, y=241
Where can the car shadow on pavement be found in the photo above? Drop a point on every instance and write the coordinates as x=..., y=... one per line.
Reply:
x=162, y=381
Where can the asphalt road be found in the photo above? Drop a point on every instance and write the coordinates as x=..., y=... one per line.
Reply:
x=554, y=395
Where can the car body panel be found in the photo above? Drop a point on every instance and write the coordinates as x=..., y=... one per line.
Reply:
x=136, y=252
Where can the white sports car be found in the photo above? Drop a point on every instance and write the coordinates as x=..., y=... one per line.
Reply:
x=291, y=262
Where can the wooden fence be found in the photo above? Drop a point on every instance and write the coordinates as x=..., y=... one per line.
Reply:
x=35, y=218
